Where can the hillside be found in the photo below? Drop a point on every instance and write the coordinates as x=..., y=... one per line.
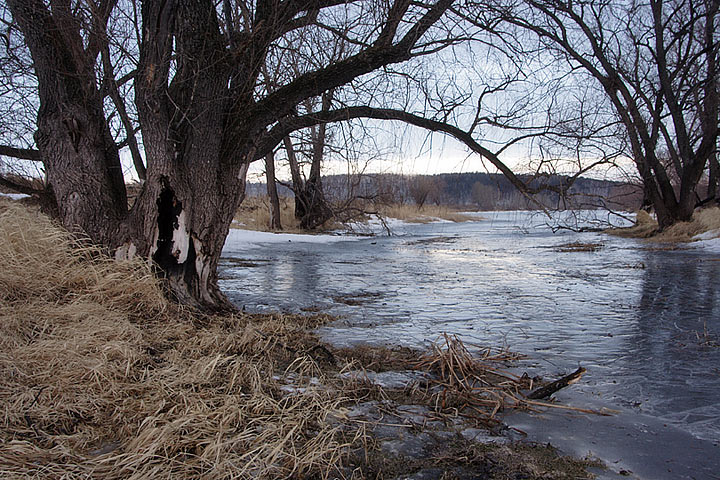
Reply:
x=481, y=191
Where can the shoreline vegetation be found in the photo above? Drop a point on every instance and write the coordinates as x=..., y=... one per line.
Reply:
x=102, y=377
x=704, y=221
x=254, y=215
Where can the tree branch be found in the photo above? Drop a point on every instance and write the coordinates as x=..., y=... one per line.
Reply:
x=21, y=153
x=19, y=187
x=281, y=102
x=290, y=124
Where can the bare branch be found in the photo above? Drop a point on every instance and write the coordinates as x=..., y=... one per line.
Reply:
x=21, y=153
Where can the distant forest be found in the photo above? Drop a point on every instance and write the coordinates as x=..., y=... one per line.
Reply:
x=481, y=191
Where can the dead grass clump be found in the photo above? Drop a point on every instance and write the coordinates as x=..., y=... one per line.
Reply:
x=703, y=221
x=578, y=247
x=516, y=460
x=645, y=226
x=100, y=377
x=476, y=387
x=379, y=358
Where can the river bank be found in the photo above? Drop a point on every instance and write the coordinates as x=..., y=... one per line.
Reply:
x=102, y=377
x=639, y=315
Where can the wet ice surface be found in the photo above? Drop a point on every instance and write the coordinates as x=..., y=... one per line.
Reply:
x=644, y=322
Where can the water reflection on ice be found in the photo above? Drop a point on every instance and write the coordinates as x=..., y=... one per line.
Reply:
x=643, y=321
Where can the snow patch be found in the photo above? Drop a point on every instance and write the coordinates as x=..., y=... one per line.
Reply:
x=709, y=235
x=708, y=241
x=14, y=196
x=710, y=246
x=126, y=251
x=239, y=239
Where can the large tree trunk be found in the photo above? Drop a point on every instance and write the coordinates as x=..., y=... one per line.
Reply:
x=713, y=176
x=201, y=123
x=80, y=157
x=181, y=221
x=194, y=181
x=182, y=216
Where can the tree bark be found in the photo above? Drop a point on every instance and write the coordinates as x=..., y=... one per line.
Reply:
x=275, y=223
x=81, y=160
x=713, y=176
x=297, y=180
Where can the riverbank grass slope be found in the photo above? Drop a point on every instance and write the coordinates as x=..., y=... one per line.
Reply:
x=254, y=214
x=101, y=377
x=704, y=220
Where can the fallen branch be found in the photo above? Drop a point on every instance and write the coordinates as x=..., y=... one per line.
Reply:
x=549, y=389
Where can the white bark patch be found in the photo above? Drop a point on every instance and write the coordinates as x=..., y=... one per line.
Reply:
x=126, y=251
x=153, y=245
x=242, y=174
x=181, y=239
x=202, y=268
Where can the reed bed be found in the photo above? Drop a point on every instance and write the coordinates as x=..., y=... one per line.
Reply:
x=424, y=214
x=254, y=214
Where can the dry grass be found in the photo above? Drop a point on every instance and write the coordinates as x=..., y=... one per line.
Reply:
x=475, y=387
x=703, y=220
x=426, y=214
x=378, y=358
x=101, y=377
x=645, y=226
x=254, y=214
x=478, y=387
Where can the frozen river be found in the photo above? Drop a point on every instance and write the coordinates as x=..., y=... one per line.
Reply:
x=644, y=321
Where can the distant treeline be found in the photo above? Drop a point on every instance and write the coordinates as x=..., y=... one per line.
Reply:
x=483, y=191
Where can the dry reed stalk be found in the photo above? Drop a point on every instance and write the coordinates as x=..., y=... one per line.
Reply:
x=254, y=214
x=474, y=386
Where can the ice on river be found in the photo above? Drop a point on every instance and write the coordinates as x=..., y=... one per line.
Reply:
x=644, y=321
x=239, y=240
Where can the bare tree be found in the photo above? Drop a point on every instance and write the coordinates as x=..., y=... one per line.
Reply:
x=656, y=63
x=202, y=117
x=311, y=207
x=270, y=181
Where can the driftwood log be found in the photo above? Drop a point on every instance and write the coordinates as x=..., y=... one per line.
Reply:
x=550, y=388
